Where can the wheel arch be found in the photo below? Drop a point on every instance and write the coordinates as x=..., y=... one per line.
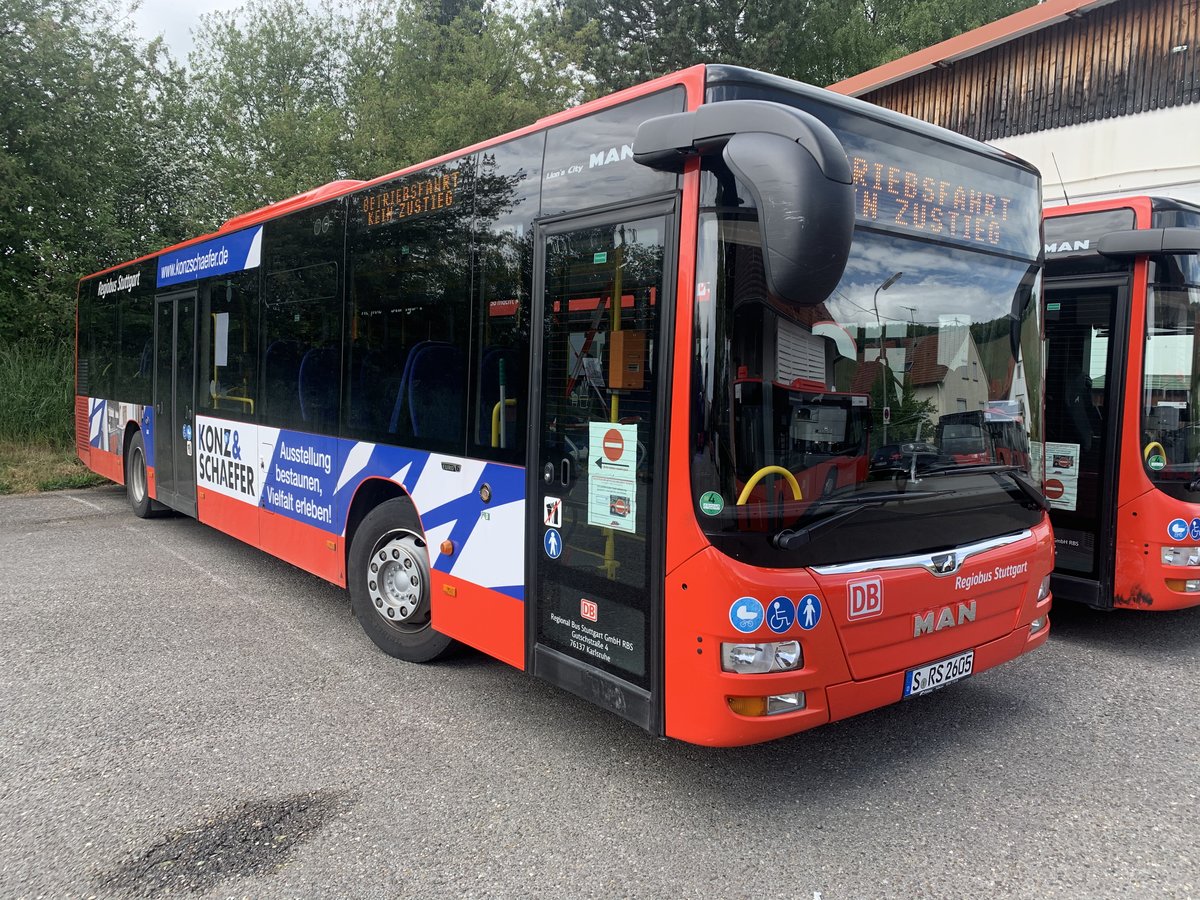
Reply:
x=367, y=496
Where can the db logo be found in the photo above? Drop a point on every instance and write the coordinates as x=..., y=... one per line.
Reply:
x=866, y=598
x=589, y=610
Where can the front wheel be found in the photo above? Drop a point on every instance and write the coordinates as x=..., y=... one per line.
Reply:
x=390, y=585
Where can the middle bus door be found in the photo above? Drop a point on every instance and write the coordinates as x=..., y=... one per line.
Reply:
x=595, y=532
x=175, y=400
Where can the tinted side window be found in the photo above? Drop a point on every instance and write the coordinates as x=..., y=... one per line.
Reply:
x=589, y=162
x=135, y=344
x=302, y=319
x=506, y=199
x=408, y=314
x=228, y=345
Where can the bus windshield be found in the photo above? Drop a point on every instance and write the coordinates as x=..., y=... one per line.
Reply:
x=923, y=363
x=1171, y=380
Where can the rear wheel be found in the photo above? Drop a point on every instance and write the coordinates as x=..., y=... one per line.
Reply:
x=137, y=483
x=389, y=584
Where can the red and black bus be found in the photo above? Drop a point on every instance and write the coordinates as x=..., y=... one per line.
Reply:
x=597, y=398
x=1122, y=290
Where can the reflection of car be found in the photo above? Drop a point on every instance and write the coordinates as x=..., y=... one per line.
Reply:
x=900, y=456
x=887, y=457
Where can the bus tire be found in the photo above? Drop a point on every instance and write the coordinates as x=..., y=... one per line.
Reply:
x=390, y=584
x=137, y=484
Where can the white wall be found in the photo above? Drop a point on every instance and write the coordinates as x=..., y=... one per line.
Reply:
x=1156, y=153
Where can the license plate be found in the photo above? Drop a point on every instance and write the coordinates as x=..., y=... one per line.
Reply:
x=924, y=679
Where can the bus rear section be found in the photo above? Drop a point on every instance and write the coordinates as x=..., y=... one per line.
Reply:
x=809, y=596
x=1122, y=409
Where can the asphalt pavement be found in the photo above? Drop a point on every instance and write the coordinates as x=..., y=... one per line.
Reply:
x=182, y=715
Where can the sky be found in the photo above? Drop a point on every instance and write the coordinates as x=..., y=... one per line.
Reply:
x=175, y=19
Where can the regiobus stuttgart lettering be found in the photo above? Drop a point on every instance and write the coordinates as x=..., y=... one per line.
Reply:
x=120, y=283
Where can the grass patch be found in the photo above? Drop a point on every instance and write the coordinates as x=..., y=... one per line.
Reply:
x=37, y=387
x=42, y=467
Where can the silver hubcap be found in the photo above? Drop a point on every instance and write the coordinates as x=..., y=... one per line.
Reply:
x=137, y=475
x=396, y=580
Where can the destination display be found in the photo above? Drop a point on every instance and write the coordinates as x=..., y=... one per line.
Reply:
x=410, y=198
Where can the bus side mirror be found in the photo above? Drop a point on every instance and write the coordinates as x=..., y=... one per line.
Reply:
x=806, y=218
x=795, y=169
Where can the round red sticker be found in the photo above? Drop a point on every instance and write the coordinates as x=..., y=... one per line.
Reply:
x=614, y=445
x=1054, y=488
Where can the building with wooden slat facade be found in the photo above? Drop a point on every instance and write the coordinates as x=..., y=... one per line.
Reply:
x=1104, y=97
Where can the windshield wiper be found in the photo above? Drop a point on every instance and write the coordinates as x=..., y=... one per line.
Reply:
x=1024, y=485
x=791, y=538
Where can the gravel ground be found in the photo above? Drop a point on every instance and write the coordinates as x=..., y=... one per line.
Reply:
x=181, y=715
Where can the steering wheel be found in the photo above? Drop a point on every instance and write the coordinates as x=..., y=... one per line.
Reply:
x=763, y=473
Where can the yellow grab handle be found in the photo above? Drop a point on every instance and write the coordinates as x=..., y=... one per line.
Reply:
x=763, y=473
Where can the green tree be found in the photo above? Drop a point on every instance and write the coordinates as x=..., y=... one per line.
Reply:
x=267, y=102
x=622, y=42
x=431, y=78
x=86, y=165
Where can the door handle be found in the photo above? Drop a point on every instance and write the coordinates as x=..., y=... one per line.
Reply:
x=565, y=470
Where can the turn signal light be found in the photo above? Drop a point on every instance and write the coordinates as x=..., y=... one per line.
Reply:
x=1184, y=586
x=772, y=705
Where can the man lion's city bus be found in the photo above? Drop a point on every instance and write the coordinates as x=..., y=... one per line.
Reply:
x=557, y=397
x=1122, y=290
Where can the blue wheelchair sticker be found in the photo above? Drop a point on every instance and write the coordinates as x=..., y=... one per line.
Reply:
x=781, y=614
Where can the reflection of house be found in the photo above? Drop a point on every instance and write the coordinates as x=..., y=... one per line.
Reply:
x=944, y=368
x=947, y=370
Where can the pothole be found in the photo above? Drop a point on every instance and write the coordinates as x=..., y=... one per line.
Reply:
x=252, y=839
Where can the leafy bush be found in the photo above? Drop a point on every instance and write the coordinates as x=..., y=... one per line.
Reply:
x=36, y=395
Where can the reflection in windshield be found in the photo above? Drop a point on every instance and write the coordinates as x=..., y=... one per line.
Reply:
x=1171, y=389
x=918, y=361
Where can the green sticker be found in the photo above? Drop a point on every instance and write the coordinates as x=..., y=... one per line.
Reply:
x=711, y=503
x=1156, y=462
x=1052, y=307
x=600, y=258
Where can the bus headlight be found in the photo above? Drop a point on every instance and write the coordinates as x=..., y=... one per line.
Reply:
x=756, y=659
x=1044, y=590
x=1188, y=586
x=1181, y=556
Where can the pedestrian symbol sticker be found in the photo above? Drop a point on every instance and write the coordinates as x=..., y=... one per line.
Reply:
x=781, y=614
x=746, y=614
x=1177, y=530
x=808, y=612
x=553, y=543
x=552, y=509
